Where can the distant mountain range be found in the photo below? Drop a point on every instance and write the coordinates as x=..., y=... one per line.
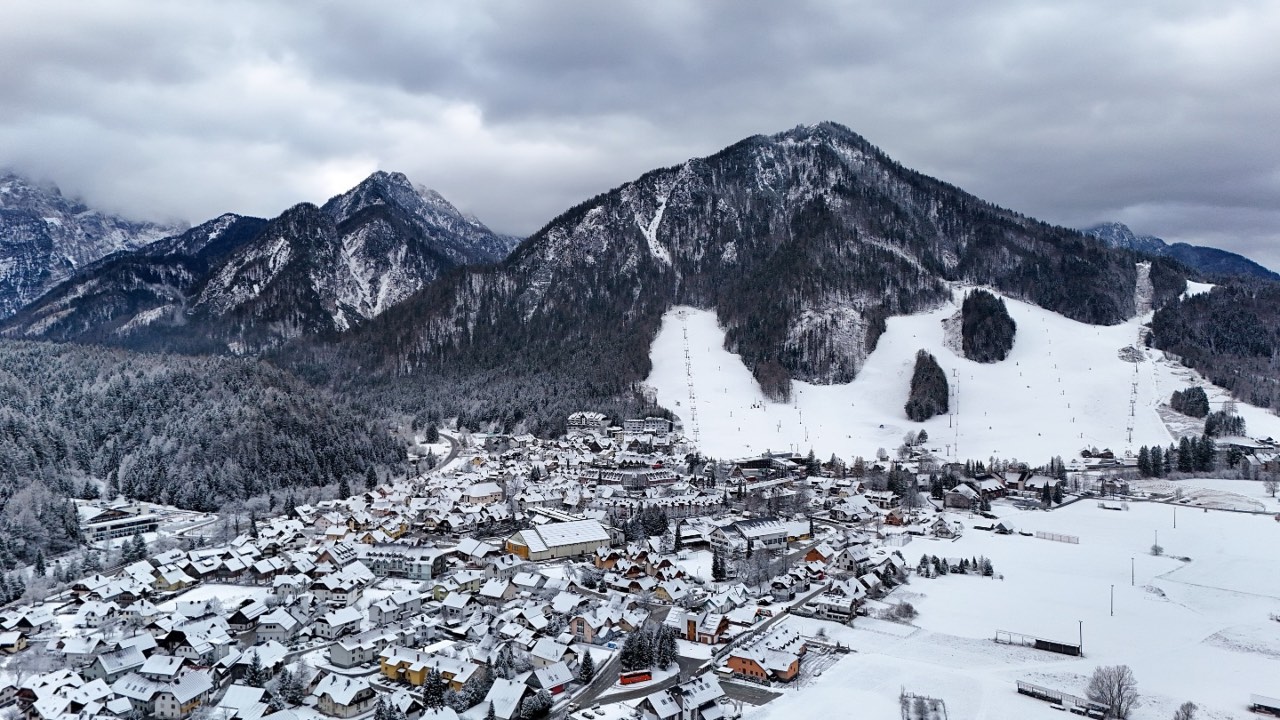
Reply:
x=803, y=242
x=45, y=237
x=1210, y=261
x=246, y=284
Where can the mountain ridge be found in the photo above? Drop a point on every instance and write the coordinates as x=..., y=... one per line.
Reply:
x=1209, y=260
x=244, y=285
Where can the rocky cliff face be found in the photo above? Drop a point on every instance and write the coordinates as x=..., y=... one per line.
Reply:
x=45, y=237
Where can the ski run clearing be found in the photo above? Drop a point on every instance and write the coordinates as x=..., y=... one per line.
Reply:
x=1196, y=629
x=1063, y=387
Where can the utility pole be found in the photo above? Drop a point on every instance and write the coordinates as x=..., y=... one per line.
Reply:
x=1132, y=573
x=1081, y=638
x=1113, y=601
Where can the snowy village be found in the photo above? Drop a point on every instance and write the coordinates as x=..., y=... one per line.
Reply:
x=617, y=573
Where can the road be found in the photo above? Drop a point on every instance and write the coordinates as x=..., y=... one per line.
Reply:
x=748, y=693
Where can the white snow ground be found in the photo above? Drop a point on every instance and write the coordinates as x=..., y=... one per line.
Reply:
x=1196, y=630
x=1063, y=387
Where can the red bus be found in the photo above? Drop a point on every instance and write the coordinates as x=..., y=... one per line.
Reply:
x=635, y=676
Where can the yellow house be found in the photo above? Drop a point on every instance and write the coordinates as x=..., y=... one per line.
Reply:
x=13, y=641
x=411, y=666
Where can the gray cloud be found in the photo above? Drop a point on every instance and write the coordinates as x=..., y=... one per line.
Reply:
x=1159, y=114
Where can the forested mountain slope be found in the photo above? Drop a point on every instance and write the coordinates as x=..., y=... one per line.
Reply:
x=803, y=242
x=193, y=432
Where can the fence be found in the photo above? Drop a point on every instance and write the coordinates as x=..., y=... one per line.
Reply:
x=1077, y=704
x=1004, y=637
x=1058, y=537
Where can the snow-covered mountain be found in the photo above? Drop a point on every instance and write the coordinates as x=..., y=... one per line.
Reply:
x=1211, y=261
x=45, y=237
x=245, y=284
x=803, y=243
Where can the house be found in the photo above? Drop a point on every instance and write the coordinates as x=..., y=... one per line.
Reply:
x=497, y=592
x=483, y=493
x=246, y=615
x=163, y=688
x=397, y=606
x=738, y=539
x=94, y=614
x=548, y=651
x=13, y=641
x=962, y=497
x=342, y=696
x=553, y=678
x=760, y=664
x=457, y=607
x=363, y=648
x=505, y=695
x=705, y=627
x=412, y=666
x=337, y=623
x=697, y=699
x=270, y=656
x=821, y=552
x=558, y=540
x=110, y=666
x=278, y=625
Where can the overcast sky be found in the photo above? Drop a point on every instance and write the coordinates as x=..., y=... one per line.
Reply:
x=1164, y=115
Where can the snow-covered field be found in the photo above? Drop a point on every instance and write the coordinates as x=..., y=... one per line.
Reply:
x=1196, y=630
x=1064, y=386
x=1213, y=493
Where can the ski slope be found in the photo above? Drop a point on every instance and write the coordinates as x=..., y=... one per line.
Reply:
x=1064, y=386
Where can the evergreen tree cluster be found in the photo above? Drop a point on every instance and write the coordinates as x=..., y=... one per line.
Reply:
x=135, y=549
x=12, y=587
x=719, y=569
x=931, y=566
x=986, y=330
x=1231, y=334
x=649, y=647
x=384, y=709
x=649, y=522
x=929, y=393
x=434, y=688
x=191, y=432
x=1192, y=402
x=1191, y=454
x=471, y=694
x=537, y=705
x=1225, y=422
x=287, y=690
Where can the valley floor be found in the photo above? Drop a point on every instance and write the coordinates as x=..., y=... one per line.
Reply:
x=1196, y=629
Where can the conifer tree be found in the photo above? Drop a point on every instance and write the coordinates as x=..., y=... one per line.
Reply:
x=433, y=689
x=587, y=670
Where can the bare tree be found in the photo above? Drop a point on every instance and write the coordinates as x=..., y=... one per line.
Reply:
x=1187, y=711
x=1115, y=687
x=1270, y=485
